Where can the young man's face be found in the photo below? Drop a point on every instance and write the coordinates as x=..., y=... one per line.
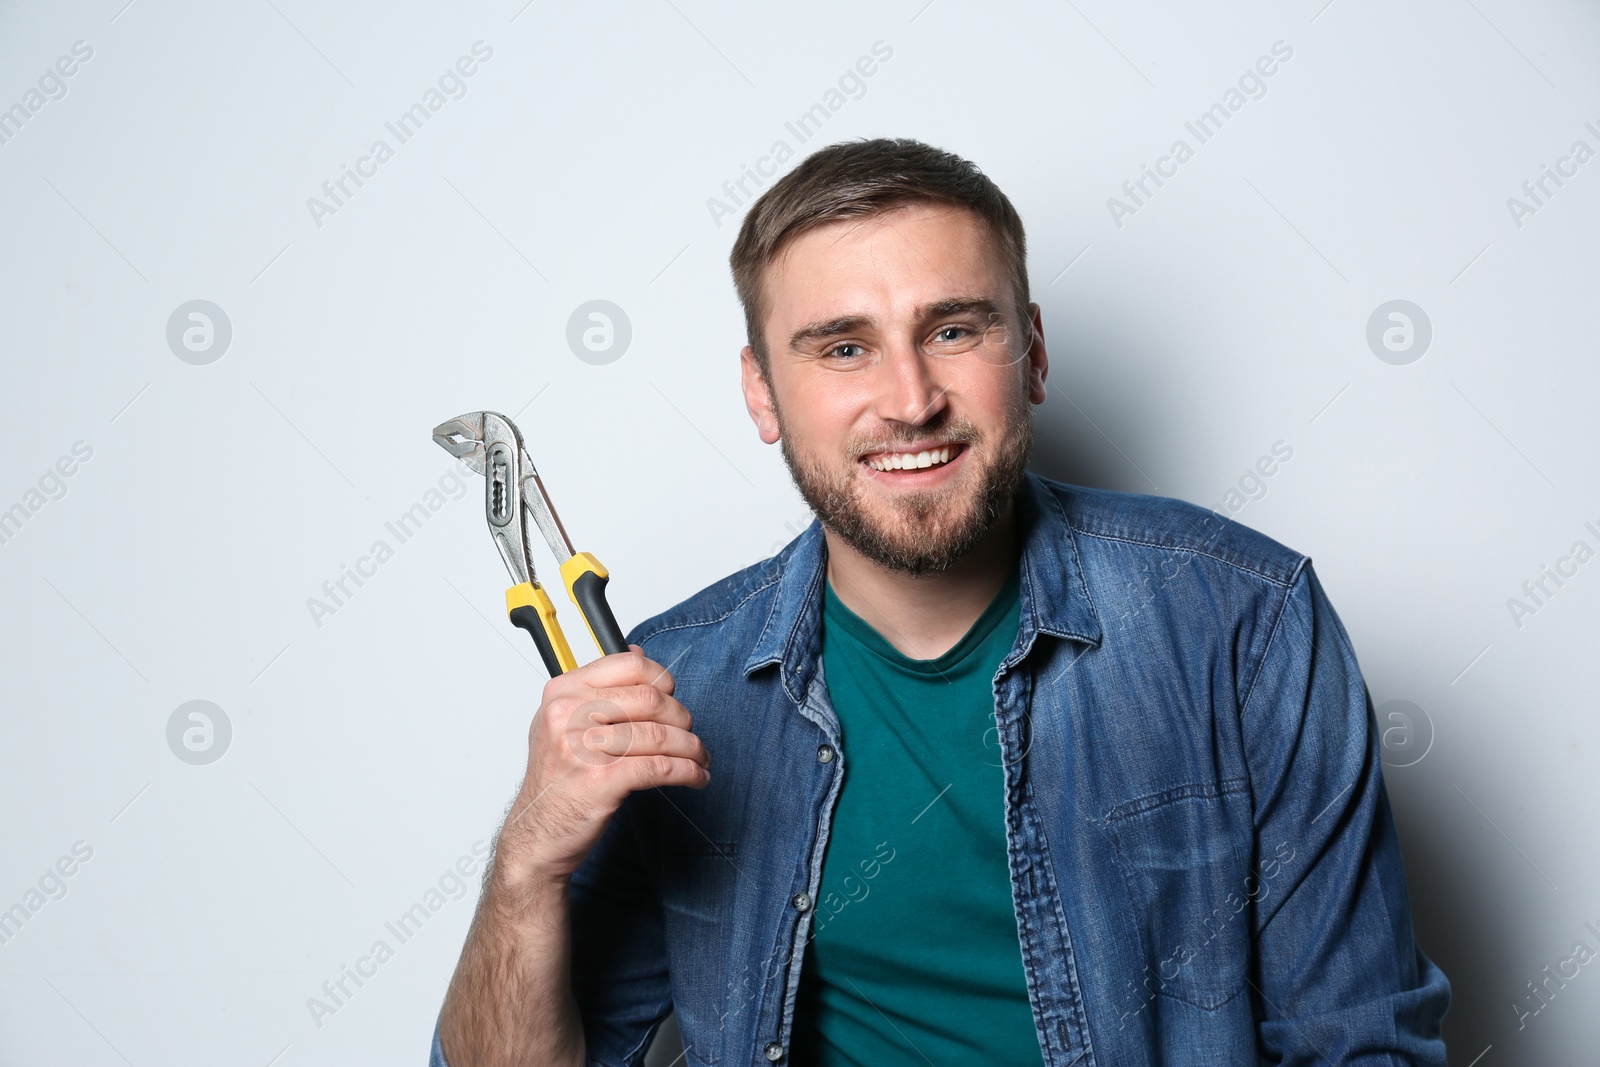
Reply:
x=890, y=337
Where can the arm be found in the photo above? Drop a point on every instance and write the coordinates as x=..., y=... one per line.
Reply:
x=565, y=961
x=510, y=1001
x=519, y=996
x=1337, y=975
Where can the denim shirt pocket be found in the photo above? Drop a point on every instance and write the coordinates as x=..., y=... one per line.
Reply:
x=1184, y=856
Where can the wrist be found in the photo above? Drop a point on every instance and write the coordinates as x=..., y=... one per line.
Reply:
x=519, y=881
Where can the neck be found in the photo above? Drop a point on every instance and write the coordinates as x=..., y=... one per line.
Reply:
x=924, y=616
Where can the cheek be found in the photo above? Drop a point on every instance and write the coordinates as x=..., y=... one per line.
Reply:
x=986, y=396
x=828, y=410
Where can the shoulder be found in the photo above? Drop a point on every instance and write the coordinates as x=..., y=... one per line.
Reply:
x=1176, y=584
x=1109, y=525
x=742, y=598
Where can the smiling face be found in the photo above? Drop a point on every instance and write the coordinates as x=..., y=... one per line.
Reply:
x=899, y=381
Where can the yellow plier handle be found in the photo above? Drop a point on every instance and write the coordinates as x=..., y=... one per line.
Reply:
x=530, y=609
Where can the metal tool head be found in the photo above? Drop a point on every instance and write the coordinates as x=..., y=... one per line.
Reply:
x=463, y=437
x=490, y=444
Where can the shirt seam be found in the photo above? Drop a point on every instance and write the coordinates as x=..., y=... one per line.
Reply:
x=1150, y=801
x=724, y=617
x=1236, y=565
x=1261, y=661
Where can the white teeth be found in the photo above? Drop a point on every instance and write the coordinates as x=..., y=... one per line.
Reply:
x=894, y=461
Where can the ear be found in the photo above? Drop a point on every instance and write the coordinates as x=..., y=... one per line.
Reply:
x=1038, y=360
x=758, y=396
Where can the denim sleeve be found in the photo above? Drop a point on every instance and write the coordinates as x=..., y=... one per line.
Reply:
x=436, y=1054
x=619, y=955
x=1337, y=973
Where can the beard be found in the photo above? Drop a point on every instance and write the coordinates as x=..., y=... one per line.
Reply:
x=927, y=531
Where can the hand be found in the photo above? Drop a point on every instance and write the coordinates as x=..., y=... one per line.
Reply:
x=602, y=731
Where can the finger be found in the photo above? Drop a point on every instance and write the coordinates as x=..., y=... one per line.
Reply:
x=663, y=679
x=631, y=703
x=620, y=668
x=645, y=772
x=647, y=738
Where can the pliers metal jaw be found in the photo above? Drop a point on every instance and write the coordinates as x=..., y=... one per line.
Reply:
x=491, y=445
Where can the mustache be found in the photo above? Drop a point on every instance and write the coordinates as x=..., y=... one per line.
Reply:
x=958, y=431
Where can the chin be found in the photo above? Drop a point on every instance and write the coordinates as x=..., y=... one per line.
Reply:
x=927, y=513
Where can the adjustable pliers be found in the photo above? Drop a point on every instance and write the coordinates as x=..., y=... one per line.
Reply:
x=490, y=444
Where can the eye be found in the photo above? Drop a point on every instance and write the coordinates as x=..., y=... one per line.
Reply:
x=950, y=334
x=846, y=351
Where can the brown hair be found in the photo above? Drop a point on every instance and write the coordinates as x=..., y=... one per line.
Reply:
x=857, y=179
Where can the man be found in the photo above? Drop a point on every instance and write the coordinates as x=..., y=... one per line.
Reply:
x=1007, y=771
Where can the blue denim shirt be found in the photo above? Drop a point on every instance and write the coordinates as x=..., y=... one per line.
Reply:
x=1202, y=855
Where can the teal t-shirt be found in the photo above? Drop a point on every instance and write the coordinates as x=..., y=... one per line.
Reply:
x=914, y=956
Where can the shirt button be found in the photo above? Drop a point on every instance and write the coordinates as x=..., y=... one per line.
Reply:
x=802, y=902
x=774, y=1051
x=824, y=753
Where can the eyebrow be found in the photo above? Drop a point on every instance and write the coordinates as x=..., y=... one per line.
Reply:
x=956, y=305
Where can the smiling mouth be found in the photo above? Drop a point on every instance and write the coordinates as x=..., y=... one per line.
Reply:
x=907, y=461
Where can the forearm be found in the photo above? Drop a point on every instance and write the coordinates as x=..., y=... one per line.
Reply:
x=510, y=1001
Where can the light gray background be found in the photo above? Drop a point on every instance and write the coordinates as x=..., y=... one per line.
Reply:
x=372, y=747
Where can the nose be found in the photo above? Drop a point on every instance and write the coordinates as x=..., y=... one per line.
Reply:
x=909, y=391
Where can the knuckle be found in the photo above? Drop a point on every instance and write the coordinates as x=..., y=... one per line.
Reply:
x=577, y=737
x=544, y=723
x=562, y=685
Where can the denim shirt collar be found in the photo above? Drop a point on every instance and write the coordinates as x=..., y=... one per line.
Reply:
x=1055, y=594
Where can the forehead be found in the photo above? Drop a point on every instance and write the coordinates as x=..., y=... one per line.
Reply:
x=884, y=265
